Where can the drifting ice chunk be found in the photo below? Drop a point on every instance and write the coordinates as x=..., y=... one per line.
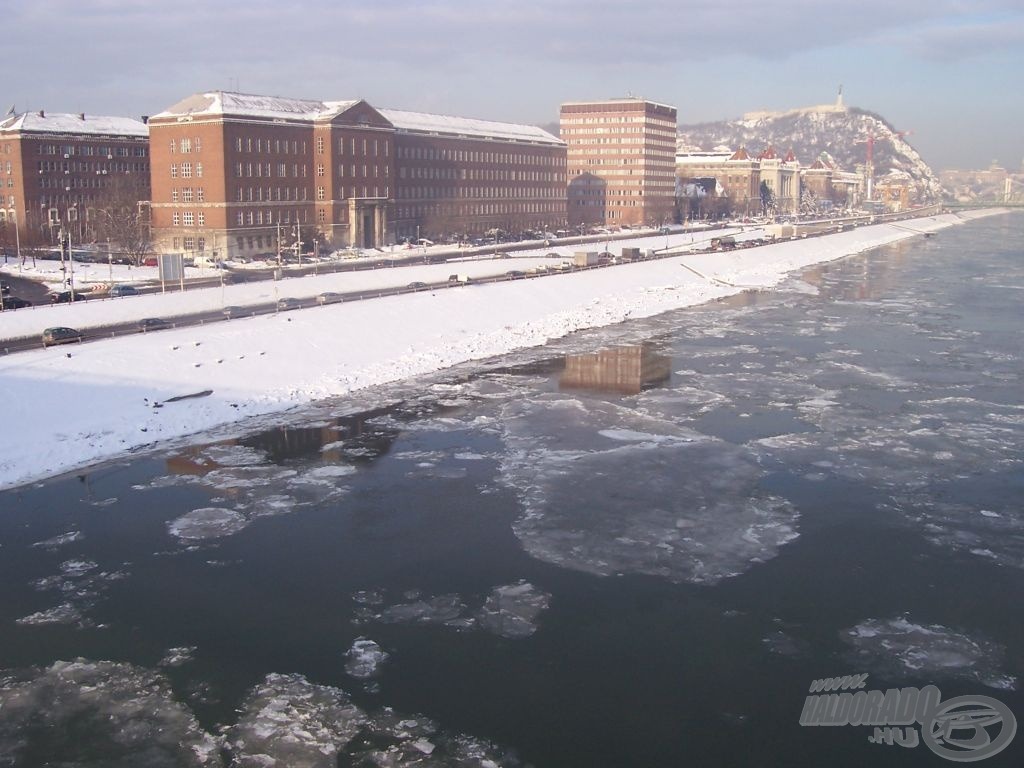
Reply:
x=364, y=658
x=511, y=611
x=894, y=647
x=436, y=610
x=207, y=523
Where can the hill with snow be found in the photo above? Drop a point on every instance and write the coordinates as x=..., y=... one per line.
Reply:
x=840, y=132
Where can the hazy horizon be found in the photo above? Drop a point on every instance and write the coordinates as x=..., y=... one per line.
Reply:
x=935, y=68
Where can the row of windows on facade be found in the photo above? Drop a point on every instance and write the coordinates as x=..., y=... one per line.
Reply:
x=266, y=145
x=485, y=209
x=260, y=218
x=191, y=243
x=186, y=145
x=644, y=129
x=652, y=143
x=567, y=117
x=186, y=170
x=471, y=156
x=263, y=170
x=354, y=144
x=473, y=174
x=87, y=150
x=259, y=194
x=74, y=166
x=377, y=172
x=469, y=193
x=321, y=192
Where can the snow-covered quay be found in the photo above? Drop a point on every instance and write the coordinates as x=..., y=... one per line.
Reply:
x=70, y=406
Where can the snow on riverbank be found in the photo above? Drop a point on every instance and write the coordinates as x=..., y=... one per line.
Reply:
x=69, y=406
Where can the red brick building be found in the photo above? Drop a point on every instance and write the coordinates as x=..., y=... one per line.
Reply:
x=56, y=168
x=230, y=171
x=621, y=161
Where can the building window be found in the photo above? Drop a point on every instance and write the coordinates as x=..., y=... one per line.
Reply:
x=319, y=145
x=199, y=170
x=186, y=195
x=196, y=143
x=174, y=146
x=174, y=170
x=176, y=243
x=186, y=170
x=175, y=219
x=174, y=196
x=241, y=220
x=319, y=193
x=201, y=243
x=320, y=169
x=186, y=146
x=199, y=195
x=187, y=219
x=201, y=220
x=190, y=243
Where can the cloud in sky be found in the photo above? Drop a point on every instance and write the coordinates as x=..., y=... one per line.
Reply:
x=500, y=59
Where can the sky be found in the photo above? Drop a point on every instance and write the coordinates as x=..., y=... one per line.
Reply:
x=947, y=70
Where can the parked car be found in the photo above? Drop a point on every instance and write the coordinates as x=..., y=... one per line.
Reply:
x=153, y=324
x=233, y=312
x=514, y=273
x=5, y=289
x=60, y=335
x=117, y=291
x=65, y=297
x=416, y=286
x=283, y=305
x=149, y=261
x=458, y=278
x=328, y=297
x=13, y=302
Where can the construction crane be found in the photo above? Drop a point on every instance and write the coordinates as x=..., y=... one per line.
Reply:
x=870, y=168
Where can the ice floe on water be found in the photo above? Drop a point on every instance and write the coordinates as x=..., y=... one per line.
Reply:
x=118, y=715
x=288, y=721
x=364, y=658
x=61, y=540
x=207, y=523
x=897, y=647
x=102, y=713
x=667, y=502
x=79, y=586
x=512, y=610
x=177, y=657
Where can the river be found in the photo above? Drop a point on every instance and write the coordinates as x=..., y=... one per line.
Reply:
x=637, y=546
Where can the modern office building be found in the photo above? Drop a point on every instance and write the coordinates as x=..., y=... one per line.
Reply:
x=232, y=172
x=621, y=161
x=57, y=168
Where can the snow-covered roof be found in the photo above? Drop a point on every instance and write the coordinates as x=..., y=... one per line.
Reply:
x=85, y=124
x=245, y=105
x=421, y=122
x=701, y=157
x=622, y=100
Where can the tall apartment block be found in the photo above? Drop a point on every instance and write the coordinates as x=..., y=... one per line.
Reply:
x=56, y=169
x=620, y=160
x=229, y=170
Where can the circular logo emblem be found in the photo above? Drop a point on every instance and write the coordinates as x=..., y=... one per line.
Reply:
x=969, y=728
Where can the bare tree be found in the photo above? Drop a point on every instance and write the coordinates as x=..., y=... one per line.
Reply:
x=122, y=219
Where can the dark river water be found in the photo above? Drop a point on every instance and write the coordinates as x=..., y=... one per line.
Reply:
x=637, y=546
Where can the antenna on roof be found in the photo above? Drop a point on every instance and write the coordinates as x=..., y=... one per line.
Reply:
x=10, y=111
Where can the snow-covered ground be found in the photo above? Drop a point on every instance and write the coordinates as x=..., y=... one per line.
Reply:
x=69, y=406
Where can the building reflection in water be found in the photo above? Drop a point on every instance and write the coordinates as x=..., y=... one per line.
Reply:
x=348, y=439
x=623, y=370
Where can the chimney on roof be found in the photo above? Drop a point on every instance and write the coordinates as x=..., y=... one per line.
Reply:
x=145, y=119
x=42, y=113
x=81, y=115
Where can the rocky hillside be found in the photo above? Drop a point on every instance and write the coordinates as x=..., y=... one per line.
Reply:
x=809, y=133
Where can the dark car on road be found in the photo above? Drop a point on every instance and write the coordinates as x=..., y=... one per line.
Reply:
x=328, y=297
x=60, y=335
x=65, y=297
x=233, y=312
x=13, y=302
x=123, y=290
x=283, y=305
x=513, y=274
x=416, y=286
x=153, y=324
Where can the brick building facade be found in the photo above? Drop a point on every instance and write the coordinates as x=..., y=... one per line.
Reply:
x=621, y=161
x=57, y=169
x=231, y=173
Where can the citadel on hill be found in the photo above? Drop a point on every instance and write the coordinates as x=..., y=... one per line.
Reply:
x=230, y=175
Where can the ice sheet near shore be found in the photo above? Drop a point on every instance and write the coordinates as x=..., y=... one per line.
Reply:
x=75, y=405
